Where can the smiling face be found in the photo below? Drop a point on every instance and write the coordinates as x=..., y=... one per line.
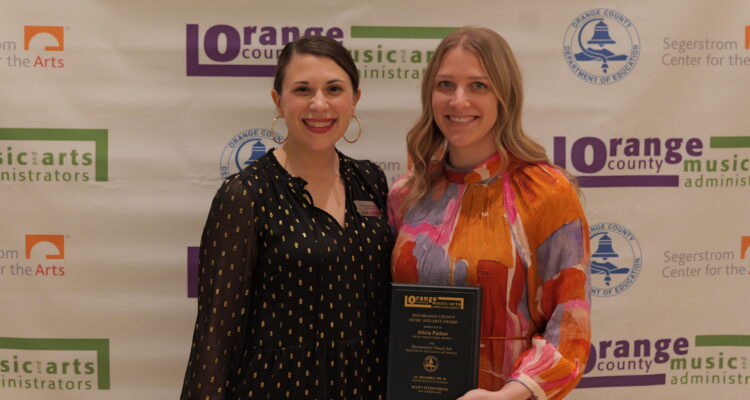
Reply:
x=464, y=105
x=317, y=101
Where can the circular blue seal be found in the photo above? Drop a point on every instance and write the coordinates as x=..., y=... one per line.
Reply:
x=616, y=259
x=244, y=148
x=601, y=46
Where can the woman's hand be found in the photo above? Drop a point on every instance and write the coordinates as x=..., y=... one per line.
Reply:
x=511, y=391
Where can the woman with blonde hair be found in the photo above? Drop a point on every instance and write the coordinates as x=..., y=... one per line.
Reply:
x=483, y=206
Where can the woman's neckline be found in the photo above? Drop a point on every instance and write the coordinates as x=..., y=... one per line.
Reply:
x=485, y=170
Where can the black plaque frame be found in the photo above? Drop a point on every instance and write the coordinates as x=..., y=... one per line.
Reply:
x=433, y=349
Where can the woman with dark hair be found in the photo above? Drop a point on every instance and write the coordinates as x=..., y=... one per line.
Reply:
x=483, y=206
x=294, y=256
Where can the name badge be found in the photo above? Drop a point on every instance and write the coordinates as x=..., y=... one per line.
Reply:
x=367, y=208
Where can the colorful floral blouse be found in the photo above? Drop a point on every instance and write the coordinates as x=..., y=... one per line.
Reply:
x=522, y=236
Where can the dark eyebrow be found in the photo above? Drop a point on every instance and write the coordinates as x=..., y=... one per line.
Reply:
x=307, y=83
x=482, y=77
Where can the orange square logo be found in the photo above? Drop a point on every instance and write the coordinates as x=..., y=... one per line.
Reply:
x=57, y=32
x=57, y=240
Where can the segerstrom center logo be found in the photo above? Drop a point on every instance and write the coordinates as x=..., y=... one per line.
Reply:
x=601, y=46
x=707, y=263
x=616, y=261
x=54, y=364
x=380, y=52
x=43, y=47
x=715, y=52
x=53, y=155
x=43, y=256
x=717, y=360
x=720, y=162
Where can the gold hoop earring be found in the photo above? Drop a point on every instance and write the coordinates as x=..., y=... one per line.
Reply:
x=273, y=131
x=359, y=132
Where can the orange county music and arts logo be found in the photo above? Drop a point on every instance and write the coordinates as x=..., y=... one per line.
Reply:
x=718, y=360
x=380, y=52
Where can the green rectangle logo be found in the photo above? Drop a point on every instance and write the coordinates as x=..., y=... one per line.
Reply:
x=29, y=364
x=39, y=162
x=722, y=340
x=400, y=32
x=730, y=142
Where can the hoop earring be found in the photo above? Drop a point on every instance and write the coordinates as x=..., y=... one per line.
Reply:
x=273, y=131
x=359, y=132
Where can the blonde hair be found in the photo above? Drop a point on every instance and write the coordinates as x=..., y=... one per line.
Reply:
x=425, y=143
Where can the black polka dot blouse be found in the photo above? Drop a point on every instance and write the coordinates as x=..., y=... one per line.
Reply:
x=292, y=305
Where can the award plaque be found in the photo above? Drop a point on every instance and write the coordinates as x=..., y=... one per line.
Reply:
x=433, y=342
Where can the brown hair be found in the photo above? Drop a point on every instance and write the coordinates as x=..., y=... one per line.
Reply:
x=321, y=46
x=425, y=142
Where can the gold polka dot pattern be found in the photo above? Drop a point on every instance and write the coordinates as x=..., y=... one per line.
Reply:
x=291, y=305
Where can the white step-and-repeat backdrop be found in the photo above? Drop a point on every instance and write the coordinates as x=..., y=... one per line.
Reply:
x=118, y=121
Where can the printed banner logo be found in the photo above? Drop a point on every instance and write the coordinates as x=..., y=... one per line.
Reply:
x=706, y=52
x=225, y=50
x=380, y=51
x=39, y=249
x=54, y=364
x=244, y=148
x=53, y=155
x=43, y=47
x=617, y=260
x=57, y=32
x=706, y=263
x=721, y=170
x=656, y=161
x=56, y=240
x=601, y=46
x=668, y=361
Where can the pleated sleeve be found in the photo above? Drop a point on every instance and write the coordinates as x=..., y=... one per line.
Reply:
x=558, y=282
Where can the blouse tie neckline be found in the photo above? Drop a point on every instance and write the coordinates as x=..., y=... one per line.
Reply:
x=481, y=172
x=299, y=182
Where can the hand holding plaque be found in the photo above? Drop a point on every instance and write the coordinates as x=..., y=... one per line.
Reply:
x=433, y=342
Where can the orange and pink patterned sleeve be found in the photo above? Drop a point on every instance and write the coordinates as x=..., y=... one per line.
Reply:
x=558, y=283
